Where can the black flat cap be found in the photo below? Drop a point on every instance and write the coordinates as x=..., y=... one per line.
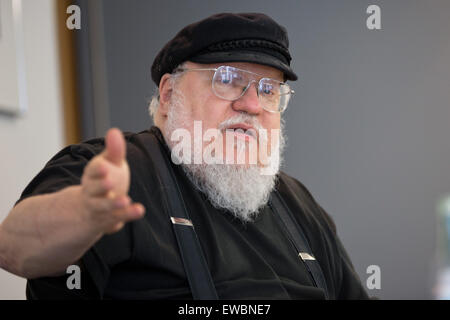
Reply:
x=227, y=37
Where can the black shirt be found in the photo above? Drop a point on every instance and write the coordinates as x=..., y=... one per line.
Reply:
x=247, y=261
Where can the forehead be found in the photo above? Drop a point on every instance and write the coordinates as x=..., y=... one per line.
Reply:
x=265, y=71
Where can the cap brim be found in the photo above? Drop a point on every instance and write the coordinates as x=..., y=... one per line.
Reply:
x=246, y=56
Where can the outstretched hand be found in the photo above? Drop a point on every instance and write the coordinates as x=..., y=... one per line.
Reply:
x=105, y=184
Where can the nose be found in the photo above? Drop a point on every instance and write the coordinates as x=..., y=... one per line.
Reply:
x=249, y=102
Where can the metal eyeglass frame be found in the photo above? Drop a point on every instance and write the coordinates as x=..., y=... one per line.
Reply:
x=291, y=92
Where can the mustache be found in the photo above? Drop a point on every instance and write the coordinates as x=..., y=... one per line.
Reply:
x=241, y=118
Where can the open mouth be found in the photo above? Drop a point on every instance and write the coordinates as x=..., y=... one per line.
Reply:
x=242, y=130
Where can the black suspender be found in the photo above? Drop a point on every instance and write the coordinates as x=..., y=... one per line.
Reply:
x=195, y=265
x=298, y=239
x=197, y=272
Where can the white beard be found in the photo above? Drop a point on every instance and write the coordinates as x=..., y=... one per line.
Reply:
x=240, y=189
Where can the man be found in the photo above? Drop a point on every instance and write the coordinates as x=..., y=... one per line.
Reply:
x=217, y=116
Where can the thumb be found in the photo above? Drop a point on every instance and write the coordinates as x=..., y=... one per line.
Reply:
x=115, y=150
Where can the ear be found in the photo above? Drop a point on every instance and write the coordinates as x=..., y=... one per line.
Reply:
x=165, y=92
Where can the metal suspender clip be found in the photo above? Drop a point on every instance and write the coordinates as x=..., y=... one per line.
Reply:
x=181, y=221
x=305, y=256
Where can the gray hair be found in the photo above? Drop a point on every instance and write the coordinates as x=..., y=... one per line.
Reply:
x=154, y=102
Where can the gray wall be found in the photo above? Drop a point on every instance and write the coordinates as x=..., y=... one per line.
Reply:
x=368, y=128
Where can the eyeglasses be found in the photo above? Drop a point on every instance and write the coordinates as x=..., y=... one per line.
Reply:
x=231, y=83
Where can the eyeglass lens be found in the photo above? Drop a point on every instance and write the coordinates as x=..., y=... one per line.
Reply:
x=231, y=83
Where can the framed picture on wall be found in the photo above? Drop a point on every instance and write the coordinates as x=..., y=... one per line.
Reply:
x=13, y=98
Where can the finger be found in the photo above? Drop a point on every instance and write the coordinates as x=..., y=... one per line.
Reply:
x=131, y=212
x=103, y=204
x=115, y=228
x=115, y=150
x=122, y=216
x=97, y=187
x=96, y=168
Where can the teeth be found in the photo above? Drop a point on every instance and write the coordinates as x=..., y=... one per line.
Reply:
x=249, y=132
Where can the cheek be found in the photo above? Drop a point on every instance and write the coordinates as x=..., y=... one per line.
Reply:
x=272, y=125
x=274, y=120
x=271, y=122
x=210, y=110
x=196, y=98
